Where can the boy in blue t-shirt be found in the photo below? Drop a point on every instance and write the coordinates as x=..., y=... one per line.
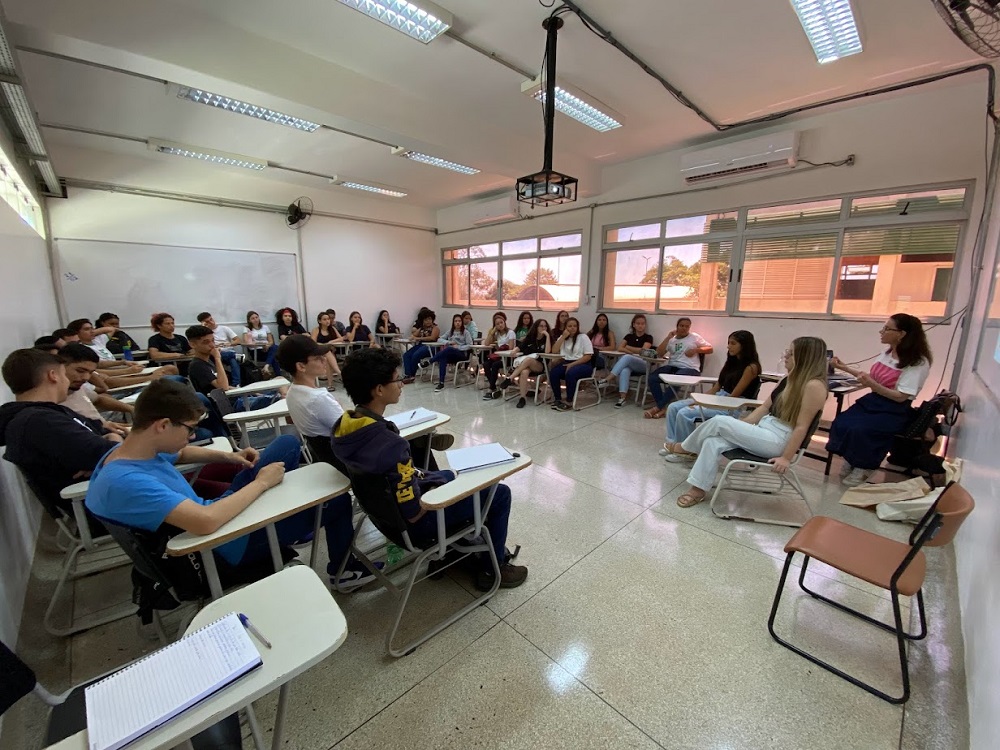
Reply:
x=137, y=485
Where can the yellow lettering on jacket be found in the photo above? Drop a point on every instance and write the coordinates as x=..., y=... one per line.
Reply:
x=404, y=490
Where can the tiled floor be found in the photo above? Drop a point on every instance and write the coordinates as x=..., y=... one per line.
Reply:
x=641, y=624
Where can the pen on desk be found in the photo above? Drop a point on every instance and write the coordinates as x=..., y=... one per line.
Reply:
x=253, y=631
x=413, y=414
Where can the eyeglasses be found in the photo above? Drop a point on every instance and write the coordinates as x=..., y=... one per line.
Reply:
x=395, y=380
x=191, y=430
x=885, y=329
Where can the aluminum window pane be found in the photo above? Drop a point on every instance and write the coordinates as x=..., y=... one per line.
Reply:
x=919, y=202
x=562, y=241
x=692, y=226
x=637, y=232
x=794, y=214
x=559, y=282
x=630, y=279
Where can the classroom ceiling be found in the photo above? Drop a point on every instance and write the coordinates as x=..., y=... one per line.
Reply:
x=323, y=61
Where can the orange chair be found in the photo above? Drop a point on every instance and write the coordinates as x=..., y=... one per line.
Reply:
x=894, y=566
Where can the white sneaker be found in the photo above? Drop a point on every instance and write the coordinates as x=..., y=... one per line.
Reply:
x=845, y=469
x=677, y=458
x=856, y=477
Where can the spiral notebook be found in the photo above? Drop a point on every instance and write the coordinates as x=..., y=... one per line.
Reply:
x=461, y=460
x=137, y=699
x=412, y=418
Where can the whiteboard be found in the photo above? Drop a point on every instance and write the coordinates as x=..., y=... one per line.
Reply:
x=135, y=280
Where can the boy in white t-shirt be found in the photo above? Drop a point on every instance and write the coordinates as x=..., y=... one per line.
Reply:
x=225, y=340
x=681, y=348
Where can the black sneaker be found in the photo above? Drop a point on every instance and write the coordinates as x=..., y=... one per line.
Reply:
x=488, y=396
x=620, y=403
x=442, y=441
x=503, y=383
x=558, y=405
x=511, y=576
x=439, y=387
x=520, y=403
x=497, y=394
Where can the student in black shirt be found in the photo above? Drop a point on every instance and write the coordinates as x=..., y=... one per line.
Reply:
x=359, y=333
x=117, y=340
x=538, y=340
x=385, y=324
x=206, y=372
x=638, y=348
x=288, y=323
x=165, y=344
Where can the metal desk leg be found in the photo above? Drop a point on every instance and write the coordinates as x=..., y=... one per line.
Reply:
x=279, y=719
x=829, y=456
x=315, y=542
x=212, y=572
x=272, y=542
x=427, y=451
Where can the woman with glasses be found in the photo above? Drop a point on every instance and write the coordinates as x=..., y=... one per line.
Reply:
x=863, y=434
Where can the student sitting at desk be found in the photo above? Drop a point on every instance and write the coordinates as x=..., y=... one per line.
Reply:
x=499, y=337
x=116, y=373
x=207, y=373
x=775, y=430
x=359, y=333
x=863, y=434
x=325, y=333
x=52, y=444
x=602, y=338
x=740, y=376
x=458, y=348
x=385, y=325
x=116, y=341
x=225, y=340
x=165, y=345
x=524, y=322
x=84, y=399
x=682, y=348
x=470, y=325
x=339, y=327
x=638, y=347
x=527, y=362
x=315, y=411
x=424, y=329
x=575, y=352
x=557, y=331
x=136, y=484
x=368, y=444
x=91, y=338
x=288, y=323
x=260, y=343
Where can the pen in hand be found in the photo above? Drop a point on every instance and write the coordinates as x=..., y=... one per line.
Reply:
x=253, y=631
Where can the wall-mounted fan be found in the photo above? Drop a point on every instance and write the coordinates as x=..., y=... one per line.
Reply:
x=975, y=22
x=298, y=212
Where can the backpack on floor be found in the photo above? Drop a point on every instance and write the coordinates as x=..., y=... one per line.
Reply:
x=911, y=449
x=250, y=372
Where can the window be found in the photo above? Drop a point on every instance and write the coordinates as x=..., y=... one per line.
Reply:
x=530, y=273
x=860, y=255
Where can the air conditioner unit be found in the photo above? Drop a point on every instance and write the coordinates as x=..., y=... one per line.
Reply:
x=769, y=153
x=500, y=209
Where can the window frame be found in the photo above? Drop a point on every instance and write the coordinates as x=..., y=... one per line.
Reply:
x=538, y=256
x=844, y=222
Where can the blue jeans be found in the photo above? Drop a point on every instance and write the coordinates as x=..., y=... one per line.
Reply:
x=664, y=394
x=573, y=375
x=681, y=416
x=336, y=514
x=231, y=365
x=250, y=403
x=624, y=368
x=448, y=355
x=412, y=357
x=461, y=514
x=268, y=355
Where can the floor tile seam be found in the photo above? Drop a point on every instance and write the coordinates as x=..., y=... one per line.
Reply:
x=434, y=671
x=585, y=686
x=596, y=487
x=762, y=552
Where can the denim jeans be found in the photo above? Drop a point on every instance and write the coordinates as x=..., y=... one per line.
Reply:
x=624, y=367
x=573, y=375
x=231, y=365
x=412, y=357
x=664, y=394
x=448, y=355
x=682, y=416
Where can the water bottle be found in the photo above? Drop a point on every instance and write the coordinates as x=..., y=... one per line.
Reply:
x=127, y=352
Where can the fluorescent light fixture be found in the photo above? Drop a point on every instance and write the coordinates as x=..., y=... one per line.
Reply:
x=830, y=26
x=421, y=20
x=578, y=104
x=15, y=192
x=434, y=161
x=204, y=154
x=243, y=108
x=368, y=188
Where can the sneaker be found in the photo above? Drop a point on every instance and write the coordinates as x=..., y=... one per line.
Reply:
x=619, y=403
x=353, y=579
x=503, y=383
x=410, y=380
x=511, y=576
x=663, y=451
x=439, y=387
x=497, y=394
x=442, y=441
x=560, y=406
x=521, y=402
x=677, y=458
x=845, y=469
x=488, y=396
x=856, y=477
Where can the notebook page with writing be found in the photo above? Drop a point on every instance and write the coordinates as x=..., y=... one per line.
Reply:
x=412, y=417
x=142, y=696
x=477, y=457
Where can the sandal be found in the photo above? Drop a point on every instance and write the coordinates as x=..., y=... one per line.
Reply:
x=688, y=499
x=655, y=413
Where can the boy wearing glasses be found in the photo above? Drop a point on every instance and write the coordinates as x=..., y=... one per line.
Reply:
x=136, y=484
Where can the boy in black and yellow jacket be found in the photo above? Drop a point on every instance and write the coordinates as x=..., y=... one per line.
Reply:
x=367, y=443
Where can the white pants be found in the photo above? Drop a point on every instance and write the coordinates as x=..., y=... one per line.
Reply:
x=720, y=434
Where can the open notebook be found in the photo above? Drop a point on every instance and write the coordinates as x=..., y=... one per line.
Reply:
x=478, y=457
x=135, y=700
x=412, y=417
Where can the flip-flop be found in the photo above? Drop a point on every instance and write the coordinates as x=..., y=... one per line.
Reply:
x=688, y=500
x=654, y=414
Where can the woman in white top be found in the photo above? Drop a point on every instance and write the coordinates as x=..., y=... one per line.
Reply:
x=863, y=434
x=775, y=430
x=576, y=352
x=458, y=348
x=501, y=338
x=260, y=342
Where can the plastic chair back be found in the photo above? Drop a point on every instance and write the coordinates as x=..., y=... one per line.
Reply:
x=954, y=505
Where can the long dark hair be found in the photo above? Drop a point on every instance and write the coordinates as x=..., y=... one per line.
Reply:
x=533, y=334
x=557, y=330
x=577, y=329
x=596, y=329
x=520, y=320
x=747, y=356
x=461, y=324
x=280, y=315
x=425, y=312
x=631, y=325
x=251, y=313
x=914, y=346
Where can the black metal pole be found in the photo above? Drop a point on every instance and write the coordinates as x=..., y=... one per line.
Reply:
x=552, y=24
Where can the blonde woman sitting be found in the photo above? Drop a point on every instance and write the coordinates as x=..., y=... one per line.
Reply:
x=775, y=430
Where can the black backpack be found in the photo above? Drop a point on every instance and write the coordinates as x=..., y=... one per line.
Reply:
x=911, y=449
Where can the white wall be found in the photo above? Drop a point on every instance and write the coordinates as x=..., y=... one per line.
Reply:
x=897, y=141
x=347, y=264
x=27, y=311
x=977, y=552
